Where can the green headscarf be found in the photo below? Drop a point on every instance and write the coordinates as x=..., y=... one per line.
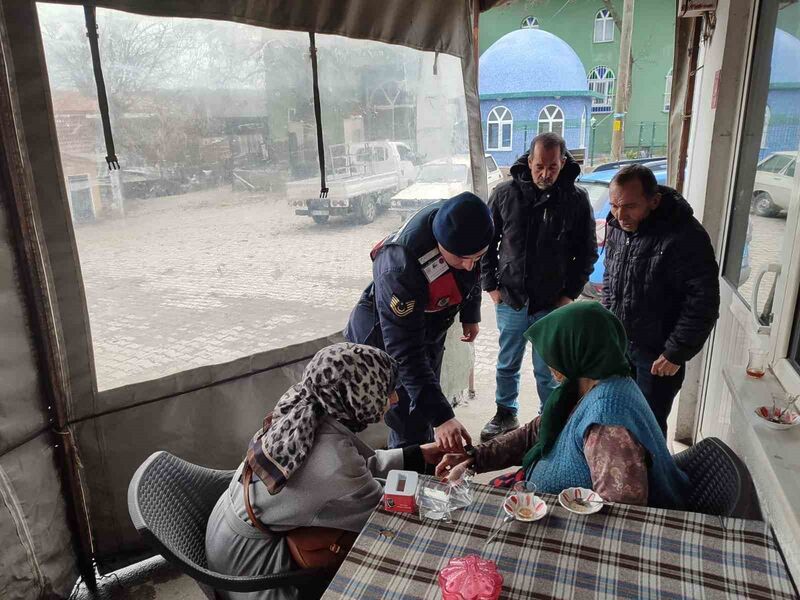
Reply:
x=582, y=339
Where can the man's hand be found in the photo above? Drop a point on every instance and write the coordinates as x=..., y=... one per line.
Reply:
x=563, y=301
x=663, y=368
x=495, y=296
x=449, y=436
x=453, y=466
x=432, y=453
x=470, y=331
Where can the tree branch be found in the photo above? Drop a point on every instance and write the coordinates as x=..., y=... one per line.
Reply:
x=614, y=14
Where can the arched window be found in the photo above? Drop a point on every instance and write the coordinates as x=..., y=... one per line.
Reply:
x=603, y=26
x=529, y=23
x=765, y=129
x=601, y=80
x=499, y=128
x=582, y=140
x=551, y=118
x=667, y=91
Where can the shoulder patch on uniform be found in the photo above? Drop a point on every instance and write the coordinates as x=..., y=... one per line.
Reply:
x=401, y=309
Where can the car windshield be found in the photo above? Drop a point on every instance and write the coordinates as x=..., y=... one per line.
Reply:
x=775, y=163
x=598, y=193
x=442, y=174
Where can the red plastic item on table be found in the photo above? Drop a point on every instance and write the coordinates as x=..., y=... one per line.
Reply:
x=470, y=578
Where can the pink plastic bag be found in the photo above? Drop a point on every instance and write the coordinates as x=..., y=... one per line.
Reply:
x=470, y=578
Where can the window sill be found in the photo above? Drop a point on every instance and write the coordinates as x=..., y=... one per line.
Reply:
x=773, y=457
x=602, y=41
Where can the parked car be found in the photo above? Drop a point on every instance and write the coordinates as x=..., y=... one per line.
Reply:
x=361, y=181
x=442, y=178
x=596, y=184
x=655, y=163
x=773, y=185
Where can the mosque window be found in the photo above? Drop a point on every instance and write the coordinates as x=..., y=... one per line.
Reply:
x=601, y=80
x=529, y=23
x=551, y=118
x=499, y=127
x=667, y=91
x=603, y=26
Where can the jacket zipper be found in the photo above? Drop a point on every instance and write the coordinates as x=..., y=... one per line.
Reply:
x=623, y=265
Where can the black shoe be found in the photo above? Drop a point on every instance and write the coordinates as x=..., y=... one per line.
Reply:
x=504, y=420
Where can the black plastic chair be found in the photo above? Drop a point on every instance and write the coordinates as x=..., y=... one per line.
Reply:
x=720, y=482
x=170, y=501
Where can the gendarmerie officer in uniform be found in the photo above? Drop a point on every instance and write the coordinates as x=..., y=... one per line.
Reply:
x=424, y=275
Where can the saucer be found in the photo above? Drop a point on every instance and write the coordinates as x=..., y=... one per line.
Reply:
x=539, y=508
x=567, y=498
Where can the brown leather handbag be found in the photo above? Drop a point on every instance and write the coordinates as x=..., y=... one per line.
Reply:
x=310, y=547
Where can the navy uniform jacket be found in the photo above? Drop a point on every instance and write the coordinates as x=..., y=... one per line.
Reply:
x=407, y=310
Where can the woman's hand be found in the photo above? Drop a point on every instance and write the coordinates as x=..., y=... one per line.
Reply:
x=453, y=462
x=432, y=453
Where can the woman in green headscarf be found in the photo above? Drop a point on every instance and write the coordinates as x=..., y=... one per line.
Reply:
x=596, y=430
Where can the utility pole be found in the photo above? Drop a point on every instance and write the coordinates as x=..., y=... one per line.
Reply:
x=623, y=82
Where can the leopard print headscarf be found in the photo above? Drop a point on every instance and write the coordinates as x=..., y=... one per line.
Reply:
x=349, y=382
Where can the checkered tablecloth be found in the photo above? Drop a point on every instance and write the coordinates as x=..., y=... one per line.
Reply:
x=620, y=552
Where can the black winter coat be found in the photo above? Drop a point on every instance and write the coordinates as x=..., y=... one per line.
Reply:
x=545, y=245
x=662, y=280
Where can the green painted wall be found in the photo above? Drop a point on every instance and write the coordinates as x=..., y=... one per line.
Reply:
x=573, y=21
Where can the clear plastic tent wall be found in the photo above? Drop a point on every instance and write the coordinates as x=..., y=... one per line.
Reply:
x=189, y=292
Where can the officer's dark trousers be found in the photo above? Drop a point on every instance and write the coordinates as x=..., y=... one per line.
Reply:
x=660, y=392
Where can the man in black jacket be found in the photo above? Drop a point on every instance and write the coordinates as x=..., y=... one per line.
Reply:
x=543, y=251
x=661, y=280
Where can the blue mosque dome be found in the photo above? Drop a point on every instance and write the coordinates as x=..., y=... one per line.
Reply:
x=530, y=62
x=785, y=66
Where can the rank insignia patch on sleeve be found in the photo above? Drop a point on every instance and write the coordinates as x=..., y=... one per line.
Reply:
x=402, y=309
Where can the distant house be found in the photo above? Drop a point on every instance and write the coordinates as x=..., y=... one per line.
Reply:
x=531, y=81
x=80, y=137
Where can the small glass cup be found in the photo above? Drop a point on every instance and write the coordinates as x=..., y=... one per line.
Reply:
x=757, y=364
x=524, y=508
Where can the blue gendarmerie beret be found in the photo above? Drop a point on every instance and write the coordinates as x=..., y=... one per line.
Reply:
x=463, y=225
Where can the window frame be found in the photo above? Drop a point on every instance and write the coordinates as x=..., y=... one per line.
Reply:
x=500, y=121
x=529, y=22
x=606, y=21
x=551, y=119
x=602, y=77
x=668, y=91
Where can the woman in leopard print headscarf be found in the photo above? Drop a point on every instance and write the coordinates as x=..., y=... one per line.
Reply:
x=307, y=468
x=349, y=382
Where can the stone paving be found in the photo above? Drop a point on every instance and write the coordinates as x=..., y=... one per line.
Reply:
x=208, y=277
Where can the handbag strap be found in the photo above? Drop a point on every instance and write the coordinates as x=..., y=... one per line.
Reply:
x=246, y=477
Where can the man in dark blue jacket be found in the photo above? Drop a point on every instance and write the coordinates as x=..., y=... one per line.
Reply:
x=423, y=276
x=661, y=279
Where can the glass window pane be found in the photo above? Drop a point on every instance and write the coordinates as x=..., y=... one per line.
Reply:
x=493, y=134
x=598, y=31
x=506, y=135
x=764, y=189
x=197, y=254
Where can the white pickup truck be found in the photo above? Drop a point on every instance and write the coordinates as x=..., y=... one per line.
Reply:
x=441, y=179
x=361, y=181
